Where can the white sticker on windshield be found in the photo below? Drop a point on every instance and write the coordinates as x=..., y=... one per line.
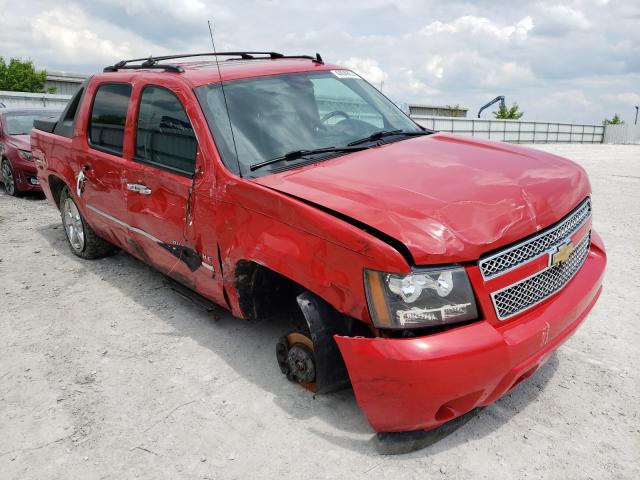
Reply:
x=344, y=74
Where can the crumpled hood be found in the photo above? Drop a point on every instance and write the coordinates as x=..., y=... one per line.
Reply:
x=22, y=142
x=447, y=198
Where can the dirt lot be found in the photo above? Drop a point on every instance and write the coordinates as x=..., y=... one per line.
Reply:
x=105, y=372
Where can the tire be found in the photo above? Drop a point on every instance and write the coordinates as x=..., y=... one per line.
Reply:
x=9, y=179
x=83, y=241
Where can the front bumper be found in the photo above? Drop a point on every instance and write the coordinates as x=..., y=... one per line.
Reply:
x=421, y=383
x=25, y=174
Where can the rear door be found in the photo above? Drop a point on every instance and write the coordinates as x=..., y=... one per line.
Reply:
x=101, y=174
x=159, y=189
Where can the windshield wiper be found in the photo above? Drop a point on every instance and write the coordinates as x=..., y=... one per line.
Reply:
x=296, y=154
x=387, y=133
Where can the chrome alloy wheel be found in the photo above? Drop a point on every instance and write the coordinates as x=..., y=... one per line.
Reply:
x=7, y=178
x=73, y=226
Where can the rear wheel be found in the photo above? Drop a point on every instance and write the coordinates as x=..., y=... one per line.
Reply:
x=9, y=179
x=83, y=241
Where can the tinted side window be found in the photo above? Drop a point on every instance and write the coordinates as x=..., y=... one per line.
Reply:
x=164, y=134
x=108, y=116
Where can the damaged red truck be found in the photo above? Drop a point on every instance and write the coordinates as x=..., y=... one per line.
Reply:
x=431, y=272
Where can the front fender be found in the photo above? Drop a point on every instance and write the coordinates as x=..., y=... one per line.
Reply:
x=323, y=254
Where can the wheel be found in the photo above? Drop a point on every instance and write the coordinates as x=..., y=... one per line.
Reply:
x=9, y=179
x=83, y=241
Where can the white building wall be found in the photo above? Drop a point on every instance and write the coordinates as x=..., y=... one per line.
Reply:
x=624, y=133
x=33, y=100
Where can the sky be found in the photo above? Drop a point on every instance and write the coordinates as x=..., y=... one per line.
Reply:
x=572, y=61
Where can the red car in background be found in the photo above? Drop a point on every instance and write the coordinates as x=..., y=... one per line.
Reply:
x=17, y=167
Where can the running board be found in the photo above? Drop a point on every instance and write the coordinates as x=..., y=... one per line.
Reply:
x=189, y=294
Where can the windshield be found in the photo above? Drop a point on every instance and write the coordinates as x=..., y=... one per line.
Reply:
x=20, y=123
x=274, y=115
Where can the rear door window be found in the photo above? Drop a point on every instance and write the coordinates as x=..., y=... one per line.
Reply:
x=108, y=117
x=164, y=135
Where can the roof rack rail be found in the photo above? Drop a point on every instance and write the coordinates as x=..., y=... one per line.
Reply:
x=124, y=66
x=152, y=62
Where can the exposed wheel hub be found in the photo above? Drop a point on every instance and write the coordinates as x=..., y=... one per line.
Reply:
x=301, y=363
x=297, y=360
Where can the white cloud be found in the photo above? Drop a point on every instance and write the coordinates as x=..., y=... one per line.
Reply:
x=571, y=98
x=367, y=68
x=476, y=26
x=566, y=17
x=625, y=98
x=416, y=87
x=72, y=35
x=68, y=30
x=190, y=10
x=435, y=67
x=469, y=67
x=543, y=54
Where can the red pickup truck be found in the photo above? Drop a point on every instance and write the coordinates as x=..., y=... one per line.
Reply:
x=431, y=272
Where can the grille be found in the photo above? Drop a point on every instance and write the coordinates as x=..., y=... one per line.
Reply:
x=507, y=259
x=533, y=290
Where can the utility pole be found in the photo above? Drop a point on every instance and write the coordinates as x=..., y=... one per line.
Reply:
x=636, y=122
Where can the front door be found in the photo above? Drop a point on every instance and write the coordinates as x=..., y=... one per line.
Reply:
x=159, y=188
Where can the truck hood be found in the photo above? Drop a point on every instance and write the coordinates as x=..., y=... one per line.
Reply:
x=446, y=198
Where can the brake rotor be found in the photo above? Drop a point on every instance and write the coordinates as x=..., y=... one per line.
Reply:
x=297, y=360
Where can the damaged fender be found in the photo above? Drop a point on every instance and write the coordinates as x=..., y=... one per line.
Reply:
x=323, y=323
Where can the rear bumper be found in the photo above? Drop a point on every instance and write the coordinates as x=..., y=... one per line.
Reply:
x=421, y=383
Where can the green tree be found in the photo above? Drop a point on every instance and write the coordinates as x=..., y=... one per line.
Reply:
x=505, y=113
x=616, y=120
x=456, y=110
x=21, y=76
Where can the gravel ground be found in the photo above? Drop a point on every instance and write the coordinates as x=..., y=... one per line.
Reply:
x=105, y=372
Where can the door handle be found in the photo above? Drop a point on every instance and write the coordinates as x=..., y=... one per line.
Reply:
x=139, y=188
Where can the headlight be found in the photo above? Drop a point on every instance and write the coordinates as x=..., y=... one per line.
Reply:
x=25, y=154
x=423, y=298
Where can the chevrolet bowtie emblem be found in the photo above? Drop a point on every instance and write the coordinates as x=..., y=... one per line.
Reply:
x=562, y=253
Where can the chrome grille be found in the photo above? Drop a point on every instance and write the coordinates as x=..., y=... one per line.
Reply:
x=512, y=257
x=533, y=290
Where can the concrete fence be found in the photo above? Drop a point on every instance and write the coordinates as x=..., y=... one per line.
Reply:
x=515, y=131
x=628, y=134
x=33, y=100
